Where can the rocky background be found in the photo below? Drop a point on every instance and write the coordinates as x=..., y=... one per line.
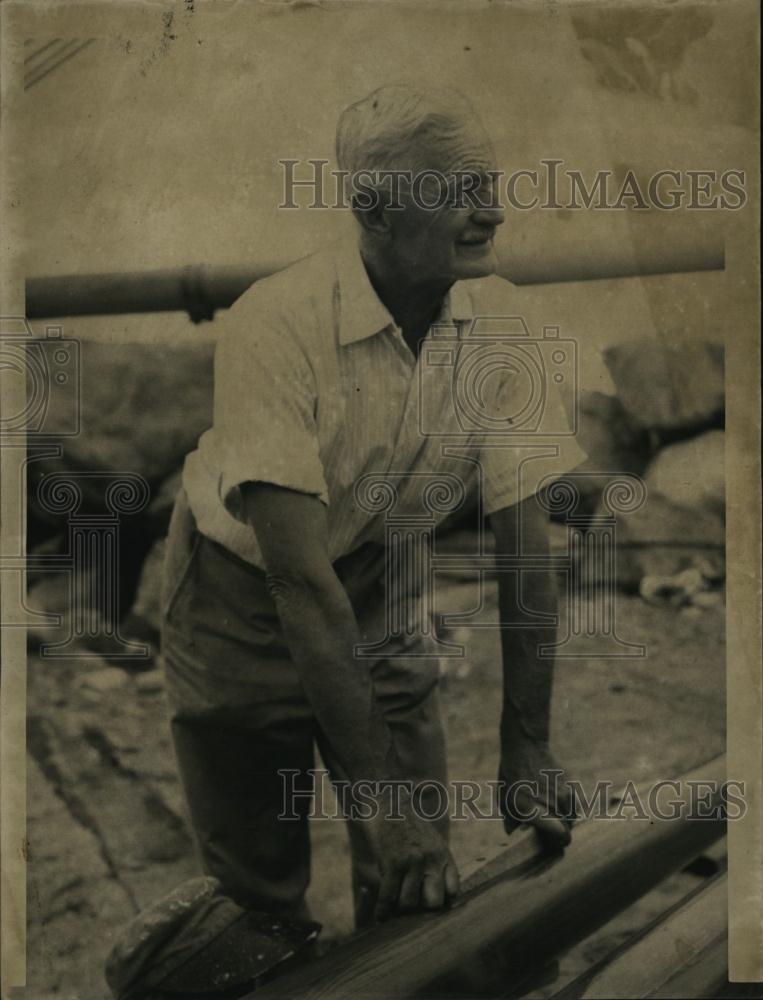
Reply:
x=107, y=830
x=664, y=423
x=165, y=134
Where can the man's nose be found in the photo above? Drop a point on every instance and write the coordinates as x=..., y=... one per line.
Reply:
x=492, y=215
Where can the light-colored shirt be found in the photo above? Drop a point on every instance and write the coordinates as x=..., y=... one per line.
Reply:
x=317, y=391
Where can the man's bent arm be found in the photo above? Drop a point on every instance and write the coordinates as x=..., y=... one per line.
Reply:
x=320, y=628
x=528, y=677
x=417, y=869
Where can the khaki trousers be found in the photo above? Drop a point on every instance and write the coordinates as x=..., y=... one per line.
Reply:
x=239, y=715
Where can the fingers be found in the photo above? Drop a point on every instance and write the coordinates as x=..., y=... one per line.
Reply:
x=417, y=885
x=550, y=809
x=554, y=834
x=410, y=890
x=452, y=881
x=510, y=825
x=440, y=885
x=428, y=886
x=566, y=805
x=389, y=891
x=433, y=890
x=552, y=821
x=520, y=808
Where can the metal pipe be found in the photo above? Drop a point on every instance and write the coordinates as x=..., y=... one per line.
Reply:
x=201, y=291
x=533, y=910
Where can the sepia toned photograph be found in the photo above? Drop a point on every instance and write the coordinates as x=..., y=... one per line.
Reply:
x=380, y=507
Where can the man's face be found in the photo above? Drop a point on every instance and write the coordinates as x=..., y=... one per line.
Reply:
x=454, y=240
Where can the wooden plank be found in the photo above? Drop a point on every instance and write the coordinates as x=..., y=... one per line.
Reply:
x=683, y=953
x=534, y=909
x=706, y=976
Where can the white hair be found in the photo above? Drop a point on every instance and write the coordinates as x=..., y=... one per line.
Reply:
x=381, y=131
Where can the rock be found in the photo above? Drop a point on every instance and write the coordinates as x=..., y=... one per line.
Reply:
x=691, y=611
x=104, y=680
x=712, y=570
x=608, y=436
x=682, y=522
x=690, y=581
x=680, y=589
x=150, y=682
x=142, y=409
x=691, y=473
x=147, y=604
x=708, y=599
x=672, y=384
x=662, y=539
x=51, y=595
x=613, y=445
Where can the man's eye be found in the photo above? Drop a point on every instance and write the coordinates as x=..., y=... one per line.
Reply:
x=472, y=191
x=466, y=187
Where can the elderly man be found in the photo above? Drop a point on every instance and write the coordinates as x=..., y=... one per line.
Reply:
x=275, y=573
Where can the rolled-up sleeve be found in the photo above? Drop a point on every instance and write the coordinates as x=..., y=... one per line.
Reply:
x=265, y=413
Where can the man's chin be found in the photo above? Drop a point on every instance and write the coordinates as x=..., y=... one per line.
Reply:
x=475, y=261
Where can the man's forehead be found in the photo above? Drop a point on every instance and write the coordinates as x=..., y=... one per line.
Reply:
x=464, y=151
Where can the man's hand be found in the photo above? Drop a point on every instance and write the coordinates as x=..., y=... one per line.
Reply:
x=417, y=869
x=534, y=792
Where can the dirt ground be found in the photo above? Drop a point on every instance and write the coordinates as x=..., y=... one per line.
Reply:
x=107, y=834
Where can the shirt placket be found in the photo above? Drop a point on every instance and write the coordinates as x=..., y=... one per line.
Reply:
x=408, y=429
x=414, y=446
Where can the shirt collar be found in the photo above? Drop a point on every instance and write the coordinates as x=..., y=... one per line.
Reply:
x=362, y=313
x=458, y=305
